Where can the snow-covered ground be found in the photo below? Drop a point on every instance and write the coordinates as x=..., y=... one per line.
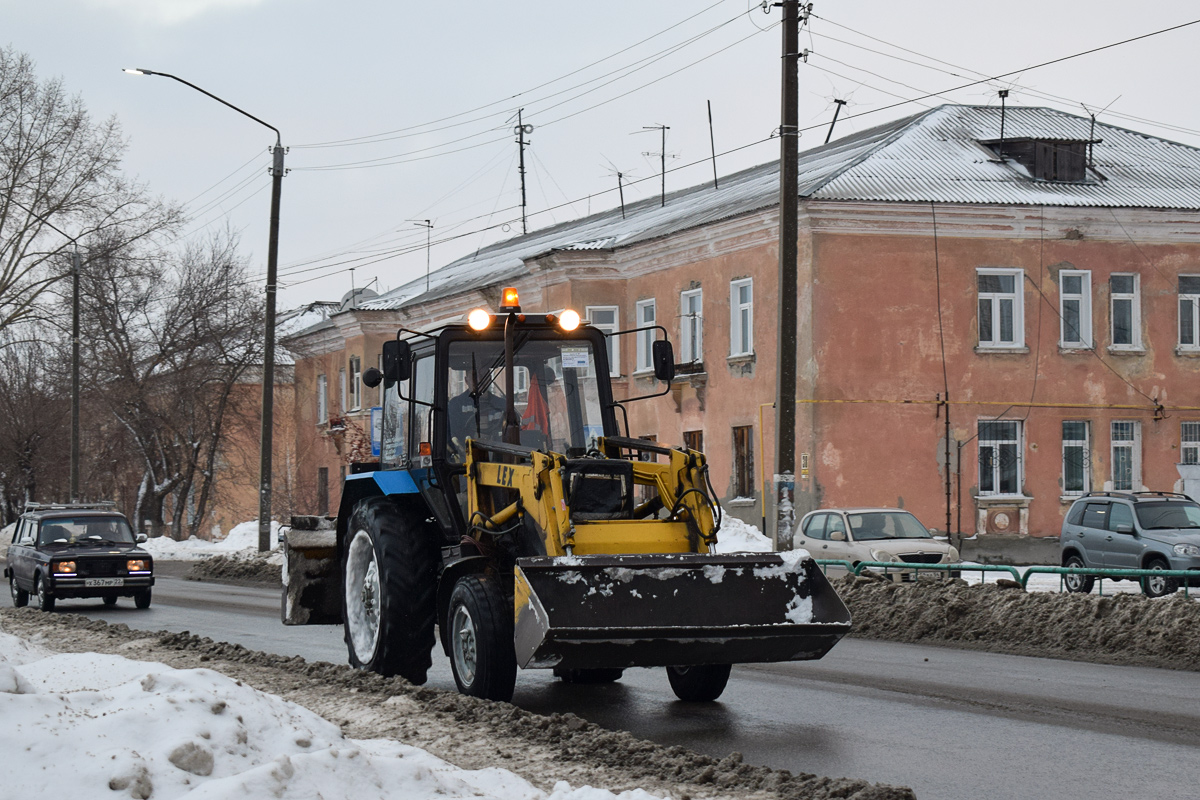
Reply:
x=243, y=538
x=95, y=725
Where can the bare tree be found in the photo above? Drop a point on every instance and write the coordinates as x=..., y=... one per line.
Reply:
x=171, y=340
x=59, y=174
x=33, y=405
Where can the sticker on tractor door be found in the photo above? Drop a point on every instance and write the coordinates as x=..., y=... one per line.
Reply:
x=575, y=357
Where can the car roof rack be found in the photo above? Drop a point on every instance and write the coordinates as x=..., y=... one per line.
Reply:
x=106, y=505
x=1126, y=495
x=1135, y=496
x=1167, y=495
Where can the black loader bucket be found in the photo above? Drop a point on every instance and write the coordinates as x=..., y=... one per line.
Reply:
x=616, y=611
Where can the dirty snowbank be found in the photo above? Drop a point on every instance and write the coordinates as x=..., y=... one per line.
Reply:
x=1126, y=629
x=468, y=733
x=242, y=538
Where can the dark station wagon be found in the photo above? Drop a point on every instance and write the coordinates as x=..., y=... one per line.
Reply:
x=77, y=550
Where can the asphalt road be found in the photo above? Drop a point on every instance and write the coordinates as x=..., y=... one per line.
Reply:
x=952, y=724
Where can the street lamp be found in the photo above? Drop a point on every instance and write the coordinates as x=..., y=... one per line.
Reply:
x=268, y=376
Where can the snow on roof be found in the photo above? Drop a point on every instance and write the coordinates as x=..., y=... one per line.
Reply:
x=933, y=156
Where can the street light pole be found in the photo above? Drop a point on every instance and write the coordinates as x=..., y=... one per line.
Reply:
x=268, y=372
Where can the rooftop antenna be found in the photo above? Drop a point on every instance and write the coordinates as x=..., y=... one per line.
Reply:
x=428, y=226
x=713, y=143
x=521, y=130
x=353, y=297
x=662, y=154
x=836, y=109
x=620, y=185
x=1092, y=130
x=1003, y=112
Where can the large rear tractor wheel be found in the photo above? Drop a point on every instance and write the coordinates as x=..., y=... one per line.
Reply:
x=480, y=627
x=20, y=597
x=1077, y=583
x=589, y=676
x=699, y=684
x=390, y=569
x=41, y=598
x=1153, y=586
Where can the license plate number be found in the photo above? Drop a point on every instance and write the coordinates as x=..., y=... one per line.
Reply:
x=104, y=582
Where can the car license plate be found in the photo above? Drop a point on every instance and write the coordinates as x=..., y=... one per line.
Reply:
x=103, y=581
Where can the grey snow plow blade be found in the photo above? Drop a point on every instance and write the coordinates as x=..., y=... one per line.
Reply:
x=606, y=611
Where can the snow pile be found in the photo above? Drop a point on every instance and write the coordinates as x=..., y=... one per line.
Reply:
x=736, y=536
x=243, y=538
x=93, y=725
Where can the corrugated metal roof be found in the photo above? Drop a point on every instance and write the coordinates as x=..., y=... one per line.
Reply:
x=933, y=156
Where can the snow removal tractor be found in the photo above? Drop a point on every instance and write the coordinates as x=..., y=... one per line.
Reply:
x=508, y=513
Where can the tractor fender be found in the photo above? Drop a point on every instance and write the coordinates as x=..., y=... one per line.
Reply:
x=450, y=575
x=381, y=483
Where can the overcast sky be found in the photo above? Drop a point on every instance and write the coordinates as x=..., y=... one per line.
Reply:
x=428, y=94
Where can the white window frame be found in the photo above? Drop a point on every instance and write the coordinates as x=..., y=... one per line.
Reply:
x=342, y=387
x=646, y=315
x=1085, y=445
x=1190, y=299
x=994, y=444
x=1189, y=442
x=381, y=388
x=322, y=399
x=355, y=386
x=1134, y=445
x=691, y=326
x=1135, y=300
x=995, y=300
x=1084, y=300
x=737, y=312
x=609, y=328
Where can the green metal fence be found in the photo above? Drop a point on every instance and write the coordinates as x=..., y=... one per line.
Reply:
x=1101, y=574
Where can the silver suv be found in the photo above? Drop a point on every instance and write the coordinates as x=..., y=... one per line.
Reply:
x=1132, y=530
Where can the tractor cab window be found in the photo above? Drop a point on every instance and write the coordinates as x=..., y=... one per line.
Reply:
x=555, y=390
x=394, y=448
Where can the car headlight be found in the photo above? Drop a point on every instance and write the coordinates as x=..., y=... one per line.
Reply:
x=1187, y=550
x=882, y=555
x=137, y=565
x=952, y=556
x=64, y=568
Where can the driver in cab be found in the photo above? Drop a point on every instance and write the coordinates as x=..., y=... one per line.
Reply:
x=477, y=412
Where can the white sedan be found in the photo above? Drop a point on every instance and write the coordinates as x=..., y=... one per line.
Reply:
x=872, y=534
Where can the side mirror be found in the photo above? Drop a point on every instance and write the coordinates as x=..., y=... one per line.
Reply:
x=1123, y=527
x=397, y=361
x=837, y=536
x=141, y=537
x=663, y=356
x=372, y=377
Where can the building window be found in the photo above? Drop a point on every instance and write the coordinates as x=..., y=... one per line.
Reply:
x=645, y=338
x=691, y=329
x=342, y=389
x=1126, y=456
x=1075, y=308
x=694, y=440
x=1001, y=308
x=741, y=317
x=1189, y=448
x=1189, y=312
x=1076, y=457
x=743, y=461
x=322, y=399
x=999, y=458
x=608, y=319
x=1126, y=313
x=382, y=384
x=355, y=383
x=322, y=490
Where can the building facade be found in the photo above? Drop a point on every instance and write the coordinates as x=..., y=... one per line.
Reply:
x=1034, y=297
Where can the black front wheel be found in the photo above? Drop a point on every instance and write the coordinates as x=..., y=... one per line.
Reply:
x=141, y=599
x=1077, y=583
x=1154, y=586
x=43, y=599
x=480, y=627
x=20, y=597
x=110, y=600
x=699, y=684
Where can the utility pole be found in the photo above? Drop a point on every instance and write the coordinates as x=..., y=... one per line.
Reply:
x=836, y=109
x=521, y=130
x=75, y=376
x=712, y=141
x=661, y=154
x=789, y=206
x=268, y=377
